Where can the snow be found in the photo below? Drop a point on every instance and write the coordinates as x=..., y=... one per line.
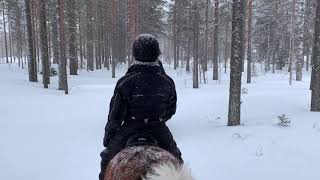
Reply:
x=45, y=134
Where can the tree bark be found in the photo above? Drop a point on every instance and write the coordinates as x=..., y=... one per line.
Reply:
x=196, y=49
x=63, y=81
x=44, y=44
x=72, y=33
x=216, y=41
x=292, y=40
x=5, y=32
x=55, y=37
x=315, y=97
x=114, y=38
x=236, y=63
x=32, y=65
x=90, y=64
x=249, y=51
x=299, y=55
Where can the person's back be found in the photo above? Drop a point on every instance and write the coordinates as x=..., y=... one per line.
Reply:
x=144, y=99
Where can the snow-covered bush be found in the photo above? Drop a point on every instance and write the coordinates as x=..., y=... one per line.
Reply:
x=284, y=120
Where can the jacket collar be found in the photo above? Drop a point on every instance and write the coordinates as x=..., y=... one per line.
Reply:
x=144, y=69
x=154, y=63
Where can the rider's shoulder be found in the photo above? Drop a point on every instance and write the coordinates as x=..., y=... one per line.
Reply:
x=167, y=78
x=126, y=78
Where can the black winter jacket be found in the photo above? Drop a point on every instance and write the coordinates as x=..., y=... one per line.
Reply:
x=145, y=94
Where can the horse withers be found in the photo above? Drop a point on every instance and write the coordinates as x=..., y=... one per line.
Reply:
x=143, y=159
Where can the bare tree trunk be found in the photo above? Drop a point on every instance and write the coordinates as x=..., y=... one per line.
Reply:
x=114, y=38
x=10, y=36
x=32, y=65
x=236, y=63
x=63, y=81
x=226, y=48
x=55, y=37
x=5, y=32
x=72, y=33
x=81, y=53
x=299, y=40
x=80, y=47
x=44, y=44
x=216, y=42
x=196, y=49
x=292, y=40
x=249, y=58
x=90, y=64
x=204, y=64
x=306, y=34
x=315, y=97
x=175, y=35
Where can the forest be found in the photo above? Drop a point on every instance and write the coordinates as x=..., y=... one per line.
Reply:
x=236, y=64
x=97, y=34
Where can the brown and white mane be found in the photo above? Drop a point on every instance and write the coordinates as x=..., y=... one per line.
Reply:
x=145, y=163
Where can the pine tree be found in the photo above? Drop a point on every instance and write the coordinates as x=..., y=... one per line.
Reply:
x=236, y=63
x=196, y=44
x=44, y=44
x=5, y=31
x=315, y=97
x=249, y=50
x=72, y=33
x=63, y=81
x=89, y=34
x=216, y=41
x=32, y=64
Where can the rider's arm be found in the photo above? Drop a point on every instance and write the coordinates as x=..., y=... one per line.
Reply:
x=116, y=114
x=172, y=102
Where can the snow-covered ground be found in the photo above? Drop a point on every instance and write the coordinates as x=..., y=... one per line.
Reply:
x=46, y=135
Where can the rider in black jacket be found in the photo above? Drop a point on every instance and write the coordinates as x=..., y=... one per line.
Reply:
x=144, y=99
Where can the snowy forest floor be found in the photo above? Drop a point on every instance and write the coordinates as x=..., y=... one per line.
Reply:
x=46, y=135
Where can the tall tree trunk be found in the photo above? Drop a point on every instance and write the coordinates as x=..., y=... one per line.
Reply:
x=315, y=97
x=55, y=37
x=196, y=44
x=292, y=40
x=175, y=35
x=63, y=81
x=306, y=33
x=216, y=41
x=236, y=63
x=114, y=38
x=81, y=54
x=244, y=45
x=249, y=58
x=299, y=40
x=90, y=64
x=226, y=49
x=72, y=34
x=32, y=65
x=5, y=32
x=44, y=44
x=10, y=36
x=205, y=62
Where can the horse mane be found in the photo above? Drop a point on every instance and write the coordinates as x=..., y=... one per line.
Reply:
x=146, y=163
x=168, y=171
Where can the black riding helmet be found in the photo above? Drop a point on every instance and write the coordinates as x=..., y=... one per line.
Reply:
x=146, y=48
